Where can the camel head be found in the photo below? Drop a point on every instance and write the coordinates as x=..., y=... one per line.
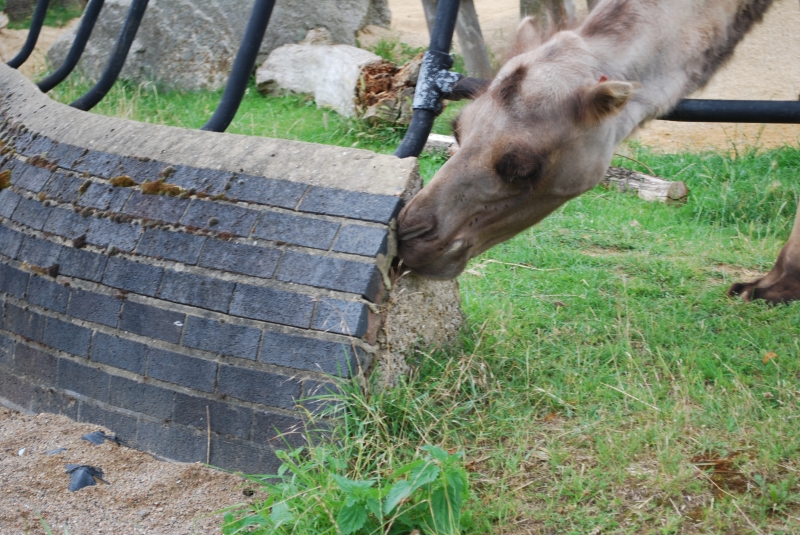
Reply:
x=542, y=133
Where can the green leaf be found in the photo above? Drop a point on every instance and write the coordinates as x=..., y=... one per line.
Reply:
x=353, y=488
x=445, y=511
x=281, y=514
x=350, y=519
x=399, y=492
x=407, y=468
x=437, y=453
x=374, y=507
x=427, y=473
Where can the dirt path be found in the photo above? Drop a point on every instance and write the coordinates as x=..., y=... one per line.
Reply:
x=11, y=42
x=766, y=66
x=145, y=496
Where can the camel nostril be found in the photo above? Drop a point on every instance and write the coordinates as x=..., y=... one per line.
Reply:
x=416, y=231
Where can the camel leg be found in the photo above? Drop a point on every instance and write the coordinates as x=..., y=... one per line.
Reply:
x=782, y=284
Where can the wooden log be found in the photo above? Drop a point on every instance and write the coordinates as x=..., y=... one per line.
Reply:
x=470, y=37
x=649, y=188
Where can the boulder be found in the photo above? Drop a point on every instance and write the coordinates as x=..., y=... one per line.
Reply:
x=191, y=44
x=328, y=71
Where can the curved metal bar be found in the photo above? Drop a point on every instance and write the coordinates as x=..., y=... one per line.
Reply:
x=433, y=82
x=736, y=111
x=33, y=35
x=117, y=59
x=242, y=67
x=90, y=15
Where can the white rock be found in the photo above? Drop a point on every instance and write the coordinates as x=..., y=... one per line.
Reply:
x=329, y=72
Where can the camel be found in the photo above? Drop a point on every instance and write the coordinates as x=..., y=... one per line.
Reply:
x=545, y=129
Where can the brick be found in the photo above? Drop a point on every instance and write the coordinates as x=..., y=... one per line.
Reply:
x=94, y=307
x=140, y=397
x=40, y=145
x=156, y=207
x=229, y=218
x=13, y=281
x=209, y=181
x=8, y=202
x=360, y=240
x=194, y=290
x=331, y=273
x=104, y=197
x=279, y=430
x=225, y=418
x=10, y=241
x=351, y=204
x=151, y=321
x=177, y=246
x=271, y=192
x=104, y=232
x=258, y=386
x=82, y=264
x=48, y=294
x=46, y=399
x=38, y=252
x=119, y=352
x=63, y=188
x=68, y=337
x=342, y=317
x=240, y=258
x=9, y=163
x=121, y=425
x=15, y=389
x=30, y=177
x=139, y=170
x=31, y=213
x=275, y=306
x=66, y=223
x=296, y=230
x=98, y=163
x=241, y=456
x=84, y=380
x=36, y=364
x=65, y=154
x=225, y=338
x=22, y=142
x=333, y=358
x=25, y=323
x=182, y=370
x=136, y=277
x=6, y=352
x=172, y=442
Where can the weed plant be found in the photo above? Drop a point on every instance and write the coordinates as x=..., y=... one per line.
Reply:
x=603, y=382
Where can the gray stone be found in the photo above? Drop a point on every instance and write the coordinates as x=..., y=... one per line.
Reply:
x=182, y=370
x=341, y=317
x=331, y=273
x=81, y=264
x=140, y=397
x=135, y=277
x=48, y=294
x=85, y=380
x=8, y=202
x=195, y=290
x=104, y=233
x=259, y=387
x=68, y=337
x=177, y=246
x=39, y=252
x=360, y=240
x=295, y=229
x=269, y=304
x=191, y=44
x=119, y=352
x=225, y=418
x=239, y=258
x=31, y=213
x=94, y=307
x=10, y=241
x=225, y=338
x=151, y=321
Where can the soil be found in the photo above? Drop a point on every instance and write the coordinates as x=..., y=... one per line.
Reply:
x=144, y=496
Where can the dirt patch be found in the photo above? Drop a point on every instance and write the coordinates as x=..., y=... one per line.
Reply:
x=11, y=42
x=145, y=495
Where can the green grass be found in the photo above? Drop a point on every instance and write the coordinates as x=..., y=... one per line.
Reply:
x=58, y=14
x=603, y=382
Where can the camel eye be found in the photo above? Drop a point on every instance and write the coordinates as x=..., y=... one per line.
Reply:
x=517, y=165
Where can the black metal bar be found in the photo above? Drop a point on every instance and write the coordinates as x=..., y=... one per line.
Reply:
x=736, y=111
x=90, y=15
x=33, y=35
x=117, y=59
x=242, y=67
x=436, y=59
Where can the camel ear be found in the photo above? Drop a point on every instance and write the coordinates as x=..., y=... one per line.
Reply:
x=528, y=37
x=604, y=100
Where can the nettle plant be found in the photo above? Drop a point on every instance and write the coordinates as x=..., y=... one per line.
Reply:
x=310, y=495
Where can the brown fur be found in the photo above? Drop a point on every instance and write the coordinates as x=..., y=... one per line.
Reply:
x=612, y=19
x=509, y=88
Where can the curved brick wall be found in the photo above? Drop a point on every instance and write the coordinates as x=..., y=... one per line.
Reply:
x=247, y=290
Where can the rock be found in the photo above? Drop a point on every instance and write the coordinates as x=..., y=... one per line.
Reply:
x=3, y=20
x=191, y=44
x=330, y=72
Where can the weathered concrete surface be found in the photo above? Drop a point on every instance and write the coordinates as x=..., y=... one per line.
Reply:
x=330, y=72
x=320, y=165
x=191, y=44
